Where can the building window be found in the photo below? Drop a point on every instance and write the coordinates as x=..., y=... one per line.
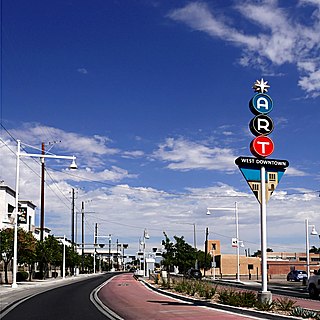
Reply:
x=214, y=246
x=272, y=177
x=255, y=186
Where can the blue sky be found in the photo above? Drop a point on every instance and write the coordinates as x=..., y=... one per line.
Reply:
x=152, y=97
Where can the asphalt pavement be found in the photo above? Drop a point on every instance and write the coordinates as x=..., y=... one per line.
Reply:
x=9, y=296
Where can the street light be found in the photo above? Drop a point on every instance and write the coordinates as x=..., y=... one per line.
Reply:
x=143, y=243
x=16, y=209
x=109, y=256
x=235, y=209
x=313, y=233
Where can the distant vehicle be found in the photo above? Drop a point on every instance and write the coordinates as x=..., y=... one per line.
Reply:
x=313, y=285
x=194, y=274
x=297, y=275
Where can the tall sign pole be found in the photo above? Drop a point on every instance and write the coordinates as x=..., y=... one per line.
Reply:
x=261, y=174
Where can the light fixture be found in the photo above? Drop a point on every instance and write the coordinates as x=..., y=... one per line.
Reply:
x=314, y=231
x=208, y=212
x=73, y=165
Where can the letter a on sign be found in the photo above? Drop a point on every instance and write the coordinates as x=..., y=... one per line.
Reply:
x=261, y=104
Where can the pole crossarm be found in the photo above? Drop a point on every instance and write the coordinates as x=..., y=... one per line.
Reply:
x=50, y=156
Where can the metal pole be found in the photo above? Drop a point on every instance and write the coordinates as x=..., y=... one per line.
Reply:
x=195, y=244
x=237, y=236
x=72, y=219
x=205, y=252
x=265, y=294
x=307, y=248
x=73, y=271
x=16, y=209
x=82, y=238
x=109, y=257
x=95, y=245
x=64, y=258
x=117, y=254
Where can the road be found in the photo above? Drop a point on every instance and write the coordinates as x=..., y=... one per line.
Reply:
x=68, y=302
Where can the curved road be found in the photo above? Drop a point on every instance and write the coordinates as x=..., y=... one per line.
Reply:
x=68, y=302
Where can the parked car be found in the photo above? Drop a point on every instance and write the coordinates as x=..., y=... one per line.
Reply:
x=194, y=274
x=313, y=285
x=297, y=275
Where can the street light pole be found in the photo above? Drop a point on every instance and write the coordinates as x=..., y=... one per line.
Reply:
x=313, y=233
x=64, y=258
x=15, y=235
x=16, y=210
x=109, y=262
x=235, y=209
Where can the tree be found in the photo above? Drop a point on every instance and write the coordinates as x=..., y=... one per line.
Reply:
x=181, y=254
x=49, y=253
x=314, y=250
x=258, y=252
x=26, y=248
x=27, y=245
x=6, y=249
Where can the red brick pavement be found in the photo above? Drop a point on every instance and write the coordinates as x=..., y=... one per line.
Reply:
x=131, y=300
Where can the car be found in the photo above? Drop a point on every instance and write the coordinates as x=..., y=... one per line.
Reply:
x=194, y=274
x=297, y=275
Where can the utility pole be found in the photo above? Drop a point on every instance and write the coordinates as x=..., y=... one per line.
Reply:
x=72, y=218
x=117, y=255
x=205, y=252
x=95, y=245
x=42, y=193
x=82, y=241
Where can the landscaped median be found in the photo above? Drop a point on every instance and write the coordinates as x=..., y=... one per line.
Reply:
x=222, y=297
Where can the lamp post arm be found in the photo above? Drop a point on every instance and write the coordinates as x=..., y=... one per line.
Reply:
x=50, y=156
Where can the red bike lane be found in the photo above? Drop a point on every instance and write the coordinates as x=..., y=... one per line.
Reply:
x=131, y=300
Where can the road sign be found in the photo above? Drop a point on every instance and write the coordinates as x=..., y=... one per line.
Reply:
x=261, y=103
x=251, y=162
x=262, y=146
x=261, y=125
x=253, y=178
x=234, y=242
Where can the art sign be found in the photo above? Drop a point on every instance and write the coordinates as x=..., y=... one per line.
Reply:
x=262, y=146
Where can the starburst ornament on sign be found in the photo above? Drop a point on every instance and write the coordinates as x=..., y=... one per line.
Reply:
x=261, y=86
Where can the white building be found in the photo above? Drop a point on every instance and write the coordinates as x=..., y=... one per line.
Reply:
x=26, y=217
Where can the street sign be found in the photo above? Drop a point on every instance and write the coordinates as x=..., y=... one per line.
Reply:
x=234, y=242
x=22, y=215
x=251, y=162
x=261, y=103
x=261, y=125
x=261, y=146
x=251, y=170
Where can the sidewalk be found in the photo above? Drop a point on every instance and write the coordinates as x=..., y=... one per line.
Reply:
x=9, y=296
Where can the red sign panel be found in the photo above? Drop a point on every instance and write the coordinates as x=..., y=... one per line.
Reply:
x=261, y=146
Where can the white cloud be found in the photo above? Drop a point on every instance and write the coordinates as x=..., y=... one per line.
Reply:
x=82, y=70
x=295, y=172
x=186, y=155
x=277, y=39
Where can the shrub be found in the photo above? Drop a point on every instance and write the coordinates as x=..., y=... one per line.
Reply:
x=22, y=276
x=284, y=304
x=265, y=305
x=237, y=298
x=304, y=313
